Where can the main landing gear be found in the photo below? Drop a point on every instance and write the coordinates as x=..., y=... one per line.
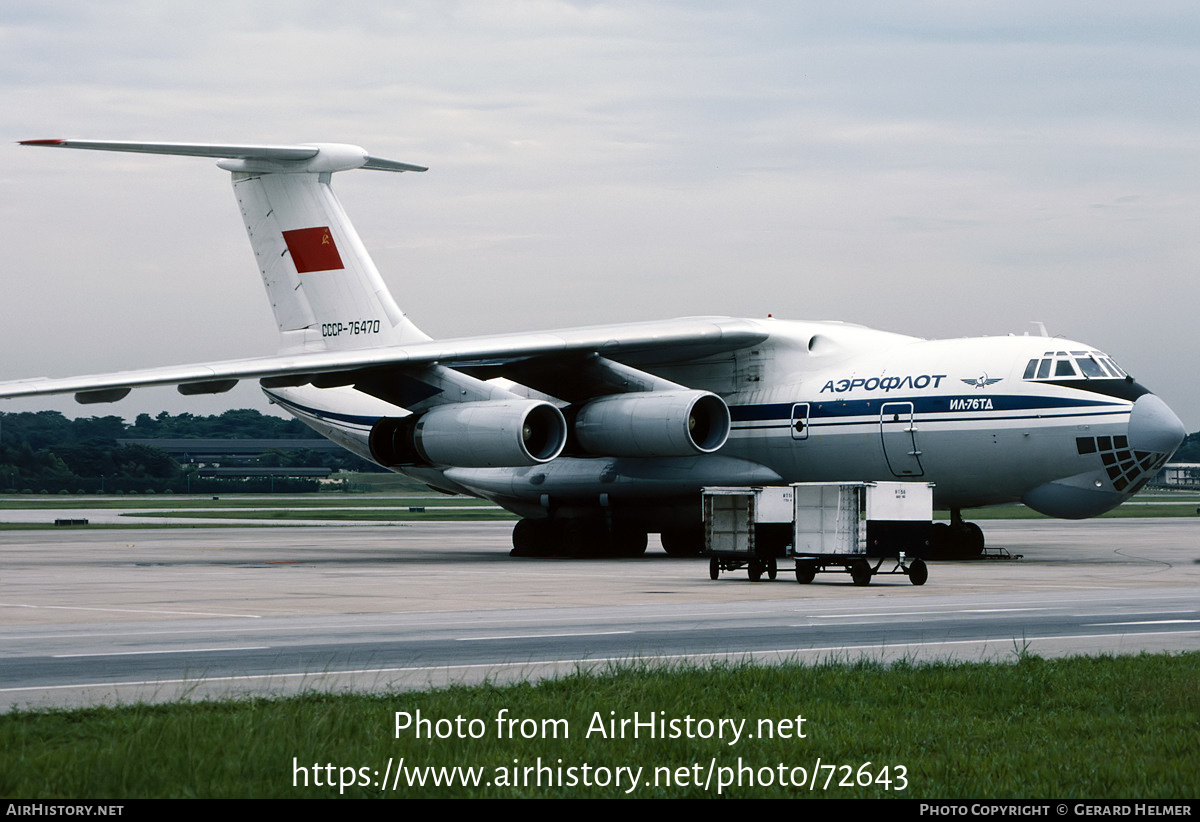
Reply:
x=683, y=542
x=955, y=539
x=575, y=538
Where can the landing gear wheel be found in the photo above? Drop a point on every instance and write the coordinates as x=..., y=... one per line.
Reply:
x=955, y=540
x=534, y=538
x=714, y=568
x=806, y=572
x=683, y=542
x=972, y=540
x=582, y=539
x=918, y=572
x=523, y=539
x=627, y=543
x=860, y=572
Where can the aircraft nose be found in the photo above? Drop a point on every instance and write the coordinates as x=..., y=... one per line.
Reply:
x=1154, y=427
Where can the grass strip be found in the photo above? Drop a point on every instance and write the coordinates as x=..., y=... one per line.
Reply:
x=1123, y=727
x=168, y=501
x=368, y=515
x=1136, y=509
x=121, y=526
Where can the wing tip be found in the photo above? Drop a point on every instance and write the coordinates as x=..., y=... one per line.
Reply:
x=45, y=142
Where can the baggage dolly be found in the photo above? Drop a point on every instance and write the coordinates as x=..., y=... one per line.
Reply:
x=746, y=527
x=819, y=526
x=830, y=536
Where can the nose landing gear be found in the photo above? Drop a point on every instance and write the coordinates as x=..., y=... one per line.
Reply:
x=956, y=539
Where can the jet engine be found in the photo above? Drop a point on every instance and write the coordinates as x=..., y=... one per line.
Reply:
x=653, y=424
x=498, y=433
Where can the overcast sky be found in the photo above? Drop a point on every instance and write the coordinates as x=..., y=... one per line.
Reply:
x=941, y=169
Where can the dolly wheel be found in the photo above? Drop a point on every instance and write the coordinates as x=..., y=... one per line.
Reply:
x=806, y=572
x=860, y=572
x=918, y=572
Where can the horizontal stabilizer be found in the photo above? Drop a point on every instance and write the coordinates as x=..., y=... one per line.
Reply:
x=314, y=157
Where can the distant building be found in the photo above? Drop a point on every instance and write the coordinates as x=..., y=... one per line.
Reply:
x=236, y=458
x=1180, y=475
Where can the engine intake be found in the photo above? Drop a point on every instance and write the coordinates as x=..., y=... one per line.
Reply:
x=653, y=424
x=501, y=433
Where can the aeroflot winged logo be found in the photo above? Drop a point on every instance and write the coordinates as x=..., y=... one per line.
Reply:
x=313, y=249
x=982, y=381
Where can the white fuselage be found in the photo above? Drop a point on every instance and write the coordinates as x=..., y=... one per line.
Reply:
x=819, y=401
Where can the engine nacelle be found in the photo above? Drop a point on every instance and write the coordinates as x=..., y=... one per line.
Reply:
x=653, y=424
x=500, y=433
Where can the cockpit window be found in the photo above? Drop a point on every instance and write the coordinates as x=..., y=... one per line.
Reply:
x=1091, y=369
x=1088, y=365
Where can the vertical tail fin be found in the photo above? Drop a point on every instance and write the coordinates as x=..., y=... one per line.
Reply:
x=324, y=289
x=323, y=286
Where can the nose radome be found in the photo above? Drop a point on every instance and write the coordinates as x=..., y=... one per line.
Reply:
x=1153, y=426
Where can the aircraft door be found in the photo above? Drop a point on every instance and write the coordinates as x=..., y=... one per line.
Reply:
x=800, y=421
x=899, y=434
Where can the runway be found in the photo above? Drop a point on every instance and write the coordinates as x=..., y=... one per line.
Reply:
x=89, y=616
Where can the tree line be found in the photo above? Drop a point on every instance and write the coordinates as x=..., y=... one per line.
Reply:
x=45, y=452
x=1190, y=450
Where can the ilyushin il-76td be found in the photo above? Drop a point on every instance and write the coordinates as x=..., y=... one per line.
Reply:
x=599, y=436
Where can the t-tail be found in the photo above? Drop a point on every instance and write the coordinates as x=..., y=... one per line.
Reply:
x=324, y=289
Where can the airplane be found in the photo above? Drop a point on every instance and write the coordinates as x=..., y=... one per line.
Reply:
x=598, y=436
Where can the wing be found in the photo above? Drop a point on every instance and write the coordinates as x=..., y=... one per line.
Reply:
x=631, y=343
x=318, y=274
